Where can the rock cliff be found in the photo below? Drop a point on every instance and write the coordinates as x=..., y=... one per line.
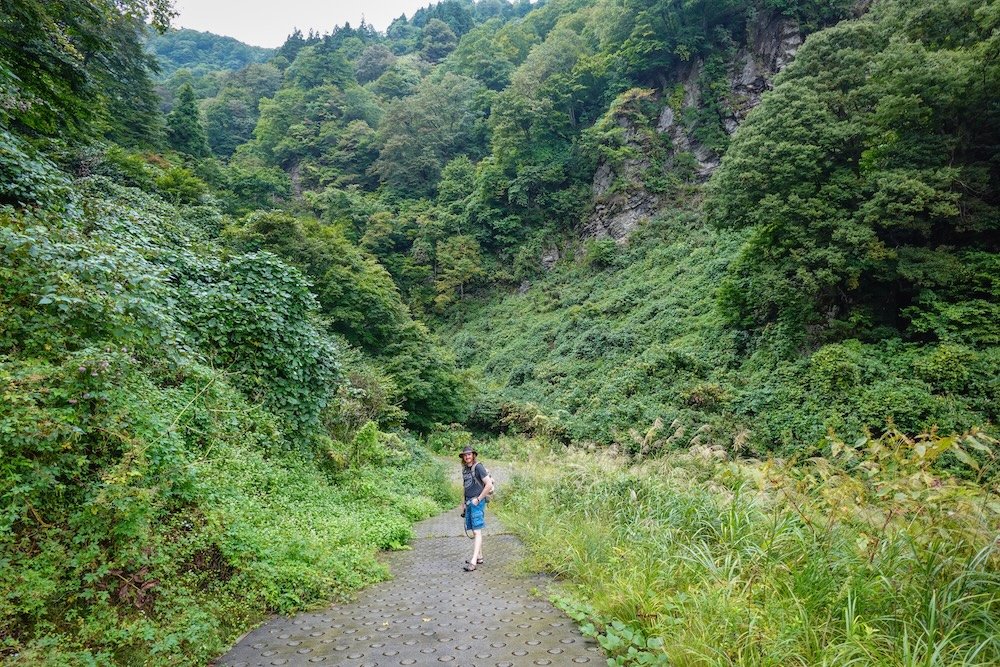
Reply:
x=622, y=195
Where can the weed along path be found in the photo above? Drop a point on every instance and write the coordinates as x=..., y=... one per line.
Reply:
x=430, y=613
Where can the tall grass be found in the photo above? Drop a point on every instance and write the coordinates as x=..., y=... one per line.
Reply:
x=689, y=560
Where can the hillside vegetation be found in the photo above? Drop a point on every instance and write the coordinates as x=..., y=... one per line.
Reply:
x=234, y=303
x=201, y=52
x=841, y=275
x=189, y=443
x=694, y=559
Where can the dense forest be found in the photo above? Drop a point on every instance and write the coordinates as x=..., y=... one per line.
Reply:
x=243, y=292
x=201, y=52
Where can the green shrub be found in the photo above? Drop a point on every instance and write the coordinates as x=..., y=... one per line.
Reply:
x=164, y=483
x=600, y=253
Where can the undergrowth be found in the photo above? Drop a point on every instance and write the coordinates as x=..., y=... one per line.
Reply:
x=589, y=352
x=868, y=555
x=166, y=480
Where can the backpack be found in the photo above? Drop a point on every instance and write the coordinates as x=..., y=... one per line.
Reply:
x=492, y=493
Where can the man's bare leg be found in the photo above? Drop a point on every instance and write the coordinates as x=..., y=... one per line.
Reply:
x=477, y=547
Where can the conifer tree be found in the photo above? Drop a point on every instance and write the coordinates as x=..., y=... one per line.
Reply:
x=184, y=130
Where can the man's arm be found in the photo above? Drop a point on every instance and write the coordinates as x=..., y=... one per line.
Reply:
x=487, y=488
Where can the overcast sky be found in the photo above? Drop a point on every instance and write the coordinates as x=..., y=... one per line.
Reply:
x=268, y=22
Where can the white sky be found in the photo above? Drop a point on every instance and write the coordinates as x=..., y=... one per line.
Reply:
x=268, y=22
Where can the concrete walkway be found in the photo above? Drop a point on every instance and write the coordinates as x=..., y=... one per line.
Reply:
x=432, y=612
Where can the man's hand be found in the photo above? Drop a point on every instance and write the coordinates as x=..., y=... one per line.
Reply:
x=475, y=501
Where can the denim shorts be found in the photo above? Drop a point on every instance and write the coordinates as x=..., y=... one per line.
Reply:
x=475, y=516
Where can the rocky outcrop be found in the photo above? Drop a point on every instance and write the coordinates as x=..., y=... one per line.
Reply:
x=617, y=213
x=772, y=45
x=621, y=199
x=680, y=136
x=621, y=202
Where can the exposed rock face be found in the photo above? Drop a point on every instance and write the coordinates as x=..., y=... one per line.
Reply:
x=550, y=257
x=772, y=43
x=680, y=137
x=617, y=212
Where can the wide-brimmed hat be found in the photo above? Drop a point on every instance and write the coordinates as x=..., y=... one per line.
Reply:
x=468, y=450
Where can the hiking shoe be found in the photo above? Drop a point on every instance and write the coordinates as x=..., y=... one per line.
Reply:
x=469, y=567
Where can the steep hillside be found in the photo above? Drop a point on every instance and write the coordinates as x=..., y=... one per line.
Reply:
x=844, y=278
x=842, y=213
x=616, y=338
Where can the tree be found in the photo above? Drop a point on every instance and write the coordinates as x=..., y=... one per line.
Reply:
x=232, y=114
x=452, y=13
x=360, y=302
x=354, y=292
x=318, y=65
x=460, y=263
x=398, y=81
x=373, y=62
x=69, y=65
x=293, y=44
x=479, y=57
x=254, y=187
x=419, y=134
x=229, y=121
x=873, y=214
x=439, y=40
x=185, y=133
x=355, y=151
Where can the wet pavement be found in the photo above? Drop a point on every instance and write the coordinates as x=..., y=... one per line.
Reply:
x=432, y=612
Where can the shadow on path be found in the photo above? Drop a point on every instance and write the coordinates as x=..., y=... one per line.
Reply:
x=432, y=612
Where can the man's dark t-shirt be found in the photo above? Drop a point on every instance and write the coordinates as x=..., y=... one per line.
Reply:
x=473, y=481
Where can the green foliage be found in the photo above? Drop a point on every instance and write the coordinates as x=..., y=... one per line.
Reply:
x=355, y=292
x=422, y=132
x=660, y=36
x=373, y=62
x=438, y=40
x=605, y=350
x=322, y=134
x=26, y=177
x=251, y=315
x=459, y=264
x=202, y=51
x=600, y=253
x=448, y=441
x=477, y=56
x=318, y=66
x=364, y=306
x=160, y=424
x=179, y=186
x=876, y=181
x=71, y=68
x=867, y=555
x=368, y=394
x=397, y=81
x=229, y=121
x=252, y=187
x=184, y=129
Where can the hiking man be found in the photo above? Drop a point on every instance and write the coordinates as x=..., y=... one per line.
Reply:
x=478, y=486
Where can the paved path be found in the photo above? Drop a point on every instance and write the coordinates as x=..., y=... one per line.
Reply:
x=431, y=613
